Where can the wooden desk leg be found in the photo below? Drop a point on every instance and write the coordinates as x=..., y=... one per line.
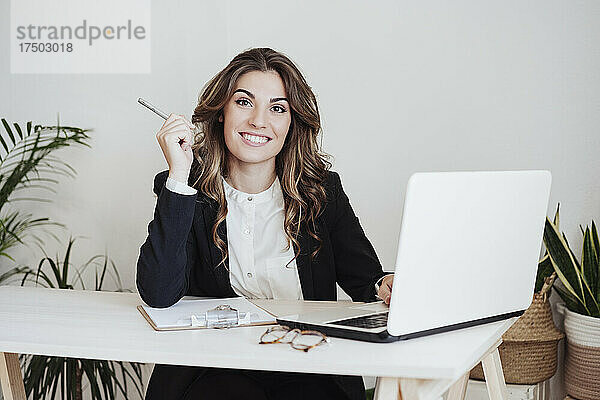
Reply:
x=494, y=377
x=11, y=378
x=409, y=389
x=387, y=388
x=459, y=388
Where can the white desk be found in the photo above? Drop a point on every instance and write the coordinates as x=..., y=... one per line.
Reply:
x=106, y=325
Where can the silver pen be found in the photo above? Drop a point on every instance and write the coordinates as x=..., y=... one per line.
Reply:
x=152, y=108
x=157, y=112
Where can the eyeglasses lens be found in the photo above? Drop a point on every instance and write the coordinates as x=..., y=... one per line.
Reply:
x=307, y=340
x=279, y=335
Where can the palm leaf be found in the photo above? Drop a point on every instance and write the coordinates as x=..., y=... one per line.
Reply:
x=25, y=157
x=13, y=272
x=126, y=376
x=15, y=226
x=90, y=372
x=65, y=271
x=106, y=375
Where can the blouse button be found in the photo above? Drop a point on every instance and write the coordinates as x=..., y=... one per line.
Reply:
x=249, y=274
x=249, y=198
x=247, y=231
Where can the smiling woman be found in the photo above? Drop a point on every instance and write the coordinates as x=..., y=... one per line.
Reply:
x=249, y=207
x=261, y=93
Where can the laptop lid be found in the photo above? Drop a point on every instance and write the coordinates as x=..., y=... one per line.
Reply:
x=469, y=247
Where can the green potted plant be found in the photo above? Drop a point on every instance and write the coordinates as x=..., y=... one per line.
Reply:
x=44, y=375
x=26, y=162
x=580, y=290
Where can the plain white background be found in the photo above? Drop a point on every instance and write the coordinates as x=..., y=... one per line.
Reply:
x=402, y=87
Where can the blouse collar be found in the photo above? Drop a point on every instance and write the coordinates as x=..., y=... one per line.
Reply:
x=232, y=193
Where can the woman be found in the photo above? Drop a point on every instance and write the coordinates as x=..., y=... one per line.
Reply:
x=249, y=207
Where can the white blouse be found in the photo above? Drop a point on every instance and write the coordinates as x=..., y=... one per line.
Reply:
x=256, y=243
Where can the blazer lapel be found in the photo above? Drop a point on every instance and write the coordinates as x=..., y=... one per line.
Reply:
x=209, y=213
x=304, y=265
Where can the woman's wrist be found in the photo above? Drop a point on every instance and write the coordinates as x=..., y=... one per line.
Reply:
x=180, y=176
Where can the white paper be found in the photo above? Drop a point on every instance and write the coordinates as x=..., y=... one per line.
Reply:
x=178, y=315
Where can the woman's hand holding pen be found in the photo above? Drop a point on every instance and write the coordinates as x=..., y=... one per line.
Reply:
x=385, y=290
x=175, y=138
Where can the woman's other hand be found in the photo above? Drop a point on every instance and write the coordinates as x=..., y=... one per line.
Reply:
x=175, y=138
x=385, y=289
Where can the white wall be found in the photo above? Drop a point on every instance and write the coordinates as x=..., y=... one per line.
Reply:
x=402, y=87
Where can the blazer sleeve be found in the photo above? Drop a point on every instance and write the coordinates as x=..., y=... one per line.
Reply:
x=165, y=259
x=356, y=263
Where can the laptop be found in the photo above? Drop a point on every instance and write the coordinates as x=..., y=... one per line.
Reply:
x=467, y=255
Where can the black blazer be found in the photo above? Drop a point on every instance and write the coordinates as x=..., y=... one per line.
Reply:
x=179, y=257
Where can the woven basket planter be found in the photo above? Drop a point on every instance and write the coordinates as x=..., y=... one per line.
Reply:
x=529, y=347
x=582, y=356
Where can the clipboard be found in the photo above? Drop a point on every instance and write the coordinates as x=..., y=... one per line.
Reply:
x=187, y=313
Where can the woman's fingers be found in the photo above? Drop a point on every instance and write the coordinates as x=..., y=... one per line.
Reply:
x=176, y=119
x=170, y=121
x=192, y=126
x=384, y=294
x=385, y=290
x=176, y=138
x=175, y=124
x=183, y=119
x=171, y=127
x=173, y=118
x=180, y=134
x=171, y=135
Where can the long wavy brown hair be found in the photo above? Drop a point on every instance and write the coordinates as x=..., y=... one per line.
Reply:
x=300, y=165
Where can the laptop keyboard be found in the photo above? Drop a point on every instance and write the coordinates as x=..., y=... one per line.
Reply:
x=366, y=321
